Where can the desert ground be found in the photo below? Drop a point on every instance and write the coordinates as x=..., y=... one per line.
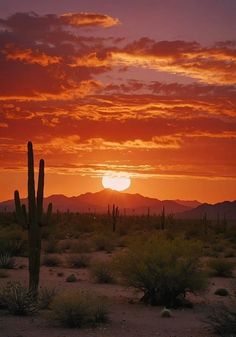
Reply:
x=127, y=316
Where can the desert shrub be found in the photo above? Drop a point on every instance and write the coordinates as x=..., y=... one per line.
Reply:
x=64, y=245
x=163, y=270
x=3, y=274
x=102, y=272
x=60, y=274
x=76, y=310
x=13, y=240
x=7, y=261
x=51, y=261
x=71, y=278
x=105, y=242
x=221, y=292
x=219, y=248
x=51, y=247
x=78, y=261
x=81, y=246
x=223, y=320
x=166, y=313
x=230, y=253
x=45, y=297
x=221, y=267
x=17, y=299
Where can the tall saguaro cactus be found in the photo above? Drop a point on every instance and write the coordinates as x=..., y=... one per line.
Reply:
x=33, y=220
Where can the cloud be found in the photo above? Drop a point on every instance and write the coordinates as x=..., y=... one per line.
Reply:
x=30, y=56
x=212, y=65
x=89, y=19
x=77, y=96
x=3, y=125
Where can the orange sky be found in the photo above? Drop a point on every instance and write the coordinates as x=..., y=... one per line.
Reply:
x=93, y=97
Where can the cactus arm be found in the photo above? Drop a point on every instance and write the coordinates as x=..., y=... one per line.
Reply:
x=19, y=214
x=31, y=188
x=40, y=192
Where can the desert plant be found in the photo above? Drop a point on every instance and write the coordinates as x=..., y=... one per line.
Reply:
x=34, y=220
x=78, y=261
x=3, y=274
x=104, y=241
x=102, y=272
x=71, y=278
x=230, y=253
x=7, y=261
x=223, y=320
x=60, y=274
x=115, y=216
x=76, y=310
x=221, y=267
x=51, y=247
x=221, y=292
x=163, y=270
x=46, y=296
x=166, y=313
x=18, y=300
x=80, y=247
x=51, y=261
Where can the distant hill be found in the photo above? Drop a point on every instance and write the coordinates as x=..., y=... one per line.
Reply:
x=99, y=201
x=226, y=208
x=189, y=203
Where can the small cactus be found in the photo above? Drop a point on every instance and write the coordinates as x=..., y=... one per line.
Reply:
x=163, y=219
x=115, y=215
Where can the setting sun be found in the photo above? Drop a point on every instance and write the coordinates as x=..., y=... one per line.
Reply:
x=116, y=181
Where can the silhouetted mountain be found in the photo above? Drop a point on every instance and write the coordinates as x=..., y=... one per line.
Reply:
x=189, y=203
x=99, y=201
x=221, y=209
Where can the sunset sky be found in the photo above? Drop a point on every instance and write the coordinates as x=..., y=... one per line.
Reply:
x=145, y=87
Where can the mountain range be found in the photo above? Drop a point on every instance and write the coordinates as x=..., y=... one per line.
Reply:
x=132, y=204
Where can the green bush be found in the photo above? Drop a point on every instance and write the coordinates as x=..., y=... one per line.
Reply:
x=17, y=299
x=221, y=292
x=76, y=310
x=163, y=270
x=102, y=272
x=166, y=313
x=14, y=241
x=3, y=274
x=51, y=247
x=223, y=320
x=78, y=261
x=46, y=296
x=71, y=278
x=230, y=253
x=105, y=242
x=79, y=246
x=221, y=267
x=7, y=261
x=51, y=261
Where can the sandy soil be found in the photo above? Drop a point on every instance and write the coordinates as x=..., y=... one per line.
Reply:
x=127, y=318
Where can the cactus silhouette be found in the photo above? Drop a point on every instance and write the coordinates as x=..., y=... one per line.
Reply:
x=163, y=218
x=115, y=215
x=34, y=219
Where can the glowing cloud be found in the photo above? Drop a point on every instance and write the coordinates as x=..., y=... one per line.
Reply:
x=89, y=19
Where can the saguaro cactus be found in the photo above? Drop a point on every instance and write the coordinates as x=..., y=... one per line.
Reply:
x=163, y=218
x=115, y=215
x=34, y=219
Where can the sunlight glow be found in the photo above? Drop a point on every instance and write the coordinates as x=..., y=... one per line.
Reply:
x=116, y=181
